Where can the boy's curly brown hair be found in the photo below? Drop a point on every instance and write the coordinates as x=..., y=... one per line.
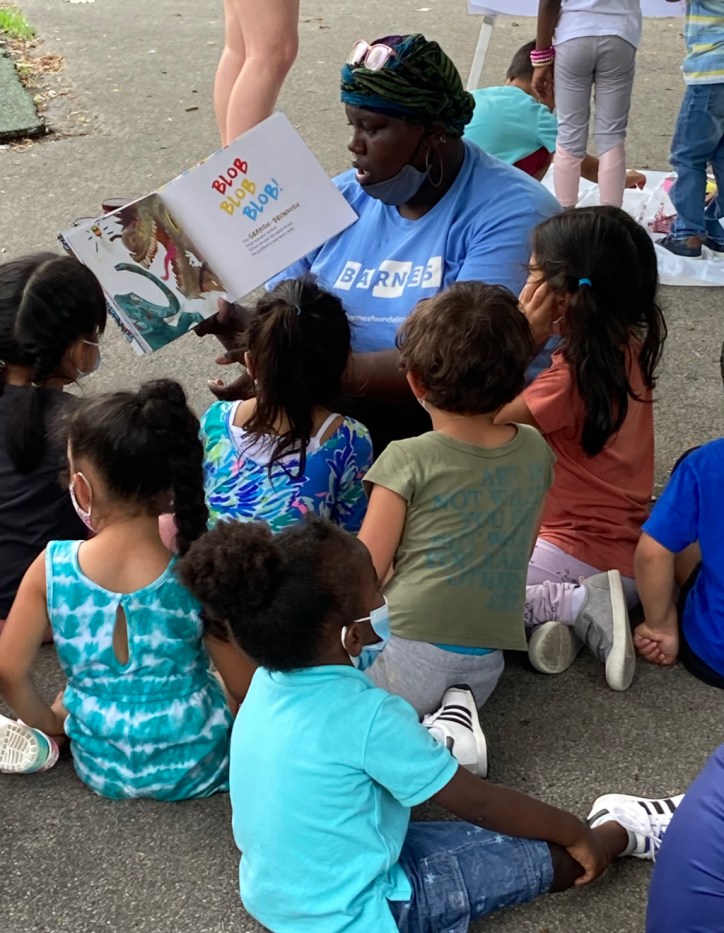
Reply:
x=468, y=347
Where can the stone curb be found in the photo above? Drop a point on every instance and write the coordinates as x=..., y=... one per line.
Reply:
x=18, y=116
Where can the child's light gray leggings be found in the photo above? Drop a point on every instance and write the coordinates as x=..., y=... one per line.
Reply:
x=606, y=63
x=421, y=672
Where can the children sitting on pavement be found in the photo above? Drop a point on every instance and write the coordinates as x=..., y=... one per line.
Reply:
x=144, y=714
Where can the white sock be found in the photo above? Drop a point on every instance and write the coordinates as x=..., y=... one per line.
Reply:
x=578, y=598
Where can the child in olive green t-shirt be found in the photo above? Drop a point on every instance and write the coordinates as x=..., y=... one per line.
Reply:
x=453, y=514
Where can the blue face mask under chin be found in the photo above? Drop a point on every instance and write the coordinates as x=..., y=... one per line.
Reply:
x=399, y=189
x=379, y=619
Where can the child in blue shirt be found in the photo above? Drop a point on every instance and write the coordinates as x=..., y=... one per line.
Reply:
x=688, y=511
x=325, y=766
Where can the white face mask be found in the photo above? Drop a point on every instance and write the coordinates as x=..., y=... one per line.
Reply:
x=82, y=373
x=379, y=619
x=84, y=516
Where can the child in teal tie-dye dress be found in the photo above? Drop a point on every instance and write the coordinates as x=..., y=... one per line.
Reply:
x=144, y=714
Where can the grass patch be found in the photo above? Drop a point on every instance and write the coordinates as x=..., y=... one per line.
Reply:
x=14, y=24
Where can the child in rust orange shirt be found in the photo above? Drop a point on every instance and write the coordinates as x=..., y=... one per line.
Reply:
x=593, y=279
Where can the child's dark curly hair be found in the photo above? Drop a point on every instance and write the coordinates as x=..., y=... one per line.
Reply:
x=277, y=593
x=146, y=444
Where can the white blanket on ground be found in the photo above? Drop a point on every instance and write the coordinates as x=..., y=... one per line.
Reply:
x=652, y=207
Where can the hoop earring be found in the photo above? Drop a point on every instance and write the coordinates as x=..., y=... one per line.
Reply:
x=428, y=167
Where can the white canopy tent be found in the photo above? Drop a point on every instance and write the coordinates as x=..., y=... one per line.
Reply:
x=489, y=9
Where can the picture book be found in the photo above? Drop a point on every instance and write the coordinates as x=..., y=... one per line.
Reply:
x=220, y=229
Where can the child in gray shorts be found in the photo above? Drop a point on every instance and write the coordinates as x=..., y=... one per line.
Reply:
x=453, y=513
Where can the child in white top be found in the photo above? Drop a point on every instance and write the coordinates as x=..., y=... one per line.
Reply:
x=595, y=44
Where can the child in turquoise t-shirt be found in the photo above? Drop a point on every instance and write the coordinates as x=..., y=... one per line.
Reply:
x=325, y=766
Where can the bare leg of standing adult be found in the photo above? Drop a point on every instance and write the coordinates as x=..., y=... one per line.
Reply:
x=261, y=36
x=229, y=68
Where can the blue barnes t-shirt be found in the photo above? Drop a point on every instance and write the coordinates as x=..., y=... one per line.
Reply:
x=324, y=769
x=691, y=509
x=383, y=264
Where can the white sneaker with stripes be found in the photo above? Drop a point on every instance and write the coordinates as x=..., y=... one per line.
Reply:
x=456, y=726
x=646, y=820
x=24, y=750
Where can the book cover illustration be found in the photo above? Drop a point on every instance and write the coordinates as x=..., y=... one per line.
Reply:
x=157, y=283
x=222, y=228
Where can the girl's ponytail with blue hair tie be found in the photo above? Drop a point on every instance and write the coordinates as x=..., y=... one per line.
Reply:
x=585, y=282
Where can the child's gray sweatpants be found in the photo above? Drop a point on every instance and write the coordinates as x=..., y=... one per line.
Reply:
x=421, y=672
x=606, y=63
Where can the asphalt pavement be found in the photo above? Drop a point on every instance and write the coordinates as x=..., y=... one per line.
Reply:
x=137, y=111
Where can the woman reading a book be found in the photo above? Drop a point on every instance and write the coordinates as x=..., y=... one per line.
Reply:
x=433, y=210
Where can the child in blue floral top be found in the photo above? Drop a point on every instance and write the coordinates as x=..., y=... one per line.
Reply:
x=286, y=452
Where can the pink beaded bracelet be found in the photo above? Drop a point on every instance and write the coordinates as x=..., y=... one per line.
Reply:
x=540, y=58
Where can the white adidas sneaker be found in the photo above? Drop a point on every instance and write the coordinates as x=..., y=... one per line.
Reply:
x=646, y=820
x=24, y=750
x=456, y=726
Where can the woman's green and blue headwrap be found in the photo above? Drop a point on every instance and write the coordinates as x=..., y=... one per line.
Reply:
x=418, y=83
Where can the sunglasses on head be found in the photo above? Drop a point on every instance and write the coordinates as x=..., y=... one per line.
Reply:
x=374, y=56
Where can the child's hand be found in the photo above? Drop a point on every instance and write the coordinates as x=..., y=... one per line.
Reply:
x=61, y=714
x=591, y=855
x=658, y=645
x=635, y=180
x=543, y=83
x=238, y=389
x=540, y=306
